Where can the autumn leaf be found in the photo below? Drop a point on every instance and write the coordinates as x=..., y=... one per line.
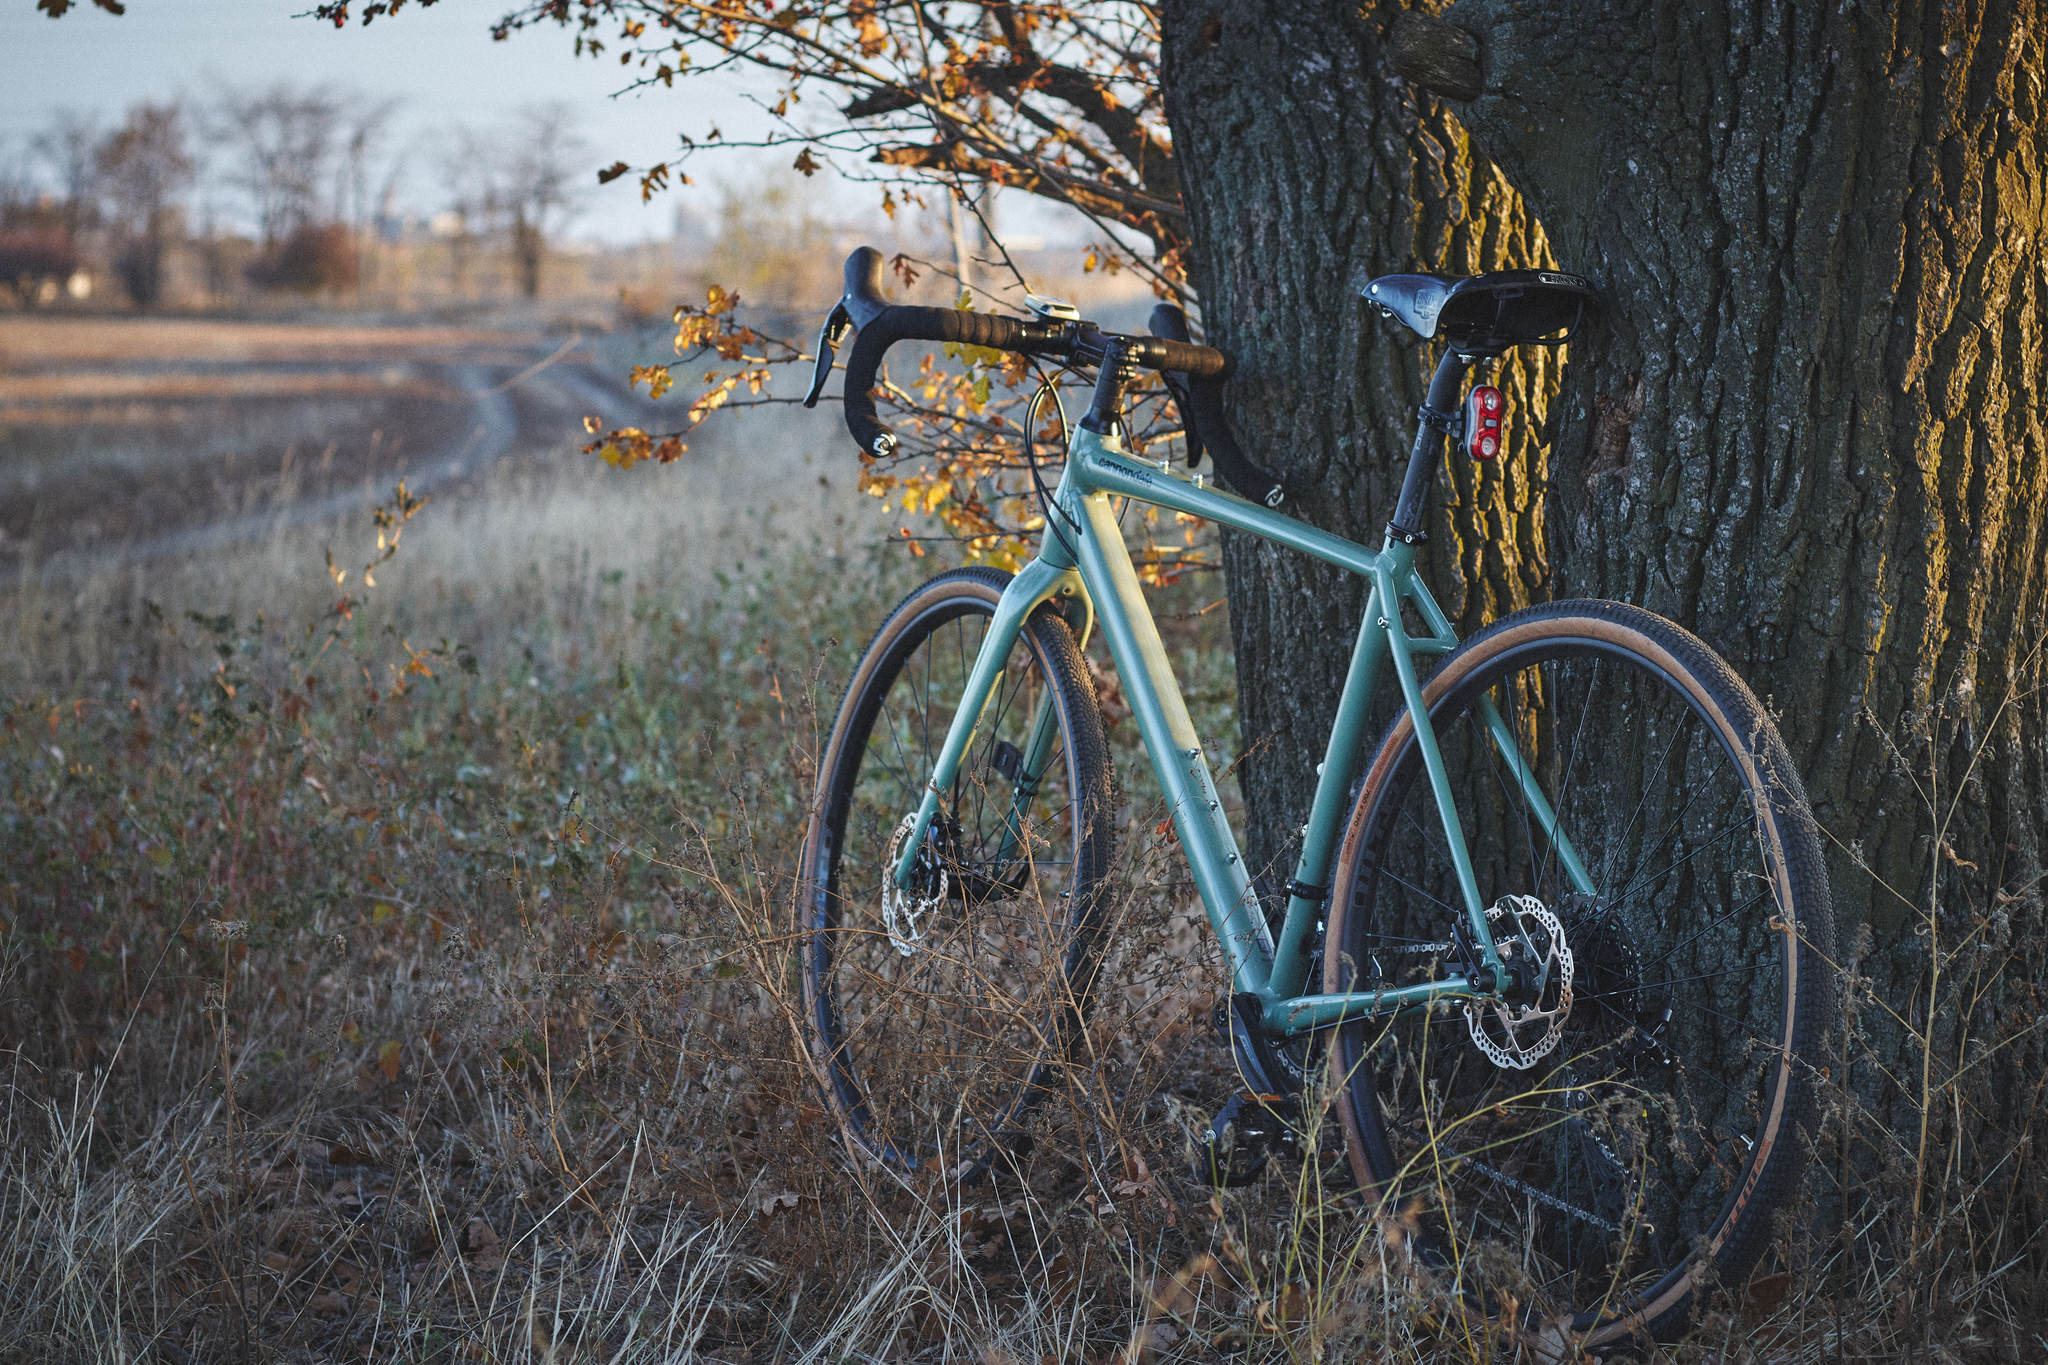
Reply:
x=767, y=1204
x=655, y=377
x=872, y=36
x=387, y=1058
x=806, y=163
x=612, y=172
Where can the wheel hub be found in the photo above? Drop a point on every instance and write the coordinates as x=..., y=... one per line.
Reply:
x=1520, y=1027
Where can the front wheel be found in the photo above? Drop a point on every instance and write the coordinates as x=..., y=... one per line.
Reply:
x=939, y=1013
x=1612, y=1140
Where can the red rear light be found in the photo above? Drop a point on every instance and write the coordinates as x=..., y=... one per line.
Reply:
x=1484, y=409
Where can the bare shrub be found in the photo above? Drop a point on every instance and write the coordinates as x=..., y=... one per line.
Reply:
x=313, y=258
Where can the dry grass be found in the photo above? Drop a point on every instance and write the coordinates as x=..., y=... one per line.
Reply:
x=415, y=985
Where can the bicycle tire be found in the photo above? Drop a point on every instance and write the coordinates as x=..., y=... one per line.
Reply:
x=934, y=1058
x=1603, y=1188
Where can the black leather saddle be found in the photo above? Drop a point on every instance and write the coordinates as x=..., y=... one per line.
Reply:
x=1486, y=314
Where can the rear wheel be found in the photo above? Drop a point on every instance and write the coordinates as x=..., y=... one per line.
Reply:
x=940, y=1013
x=1591, y=1163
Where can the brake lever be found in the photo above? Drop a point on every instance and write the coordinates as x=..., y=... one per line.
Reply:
x=1177, y=387
x=838, y=323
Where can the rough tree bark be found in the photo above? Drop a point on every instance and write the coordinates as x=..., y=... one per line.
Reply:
x=1808, y=430
x=1305, y=171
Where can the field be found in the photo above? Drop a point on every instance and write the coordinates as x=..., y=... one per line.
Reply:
x=395, y=944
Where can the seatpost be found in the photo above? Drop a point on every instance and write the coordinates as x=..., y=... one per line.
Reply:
x=1434, y=420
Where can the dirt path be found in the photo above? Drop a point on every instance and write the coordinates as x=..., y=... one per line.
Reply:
x=137, y=440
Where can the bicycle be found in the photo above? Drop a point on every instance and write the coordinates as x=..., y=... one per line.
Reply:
x=1569, y=917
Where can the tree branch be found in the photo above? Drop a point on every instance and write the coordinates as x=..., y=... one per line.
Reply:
x=1112, y=201
x=1149, y=157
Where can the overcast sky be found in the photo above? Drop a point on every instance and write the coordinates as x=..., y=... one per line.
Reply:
x=439, y=61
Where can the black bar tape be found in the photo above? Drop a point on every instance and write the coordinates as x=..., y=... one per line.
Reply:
x=1169, y=321
x=1183, y=357
x=899, y=323
x=1233, y=466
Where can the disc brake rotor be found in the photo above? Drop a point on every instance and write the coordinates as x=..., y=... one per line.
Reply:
x=1515, y=1035
x=903, y=913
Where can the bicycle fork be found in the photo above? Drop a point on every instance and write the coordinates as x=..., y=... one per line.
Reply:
x=1036, y=583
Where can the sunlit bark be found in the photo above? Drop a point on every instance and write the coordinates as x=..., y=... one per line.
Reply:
x=1307, y=171
x=1812, y=430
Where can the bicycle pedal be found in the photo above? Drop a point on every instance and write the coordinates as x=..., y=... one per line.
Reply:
x=1243, y=1137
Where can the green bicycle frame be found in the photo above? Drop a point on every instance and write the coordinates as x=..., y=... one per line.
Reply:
x=1086, y=558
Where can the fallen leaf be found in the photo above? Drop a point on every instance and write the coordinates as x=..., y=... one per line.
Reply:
x=1764, y=1294
x=478, y=1238
x=767, y=1204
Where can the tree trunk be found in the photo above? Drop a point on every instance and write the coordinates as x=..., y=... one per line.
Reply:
x=528, y=251
x=1809, y=433
x=1806, y=429
x=1305, y=172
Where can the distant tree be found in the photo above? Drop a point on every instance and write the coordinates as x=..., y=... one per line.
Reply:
x=18, y=199
x=540, y=161
x=772, y=246
x=517, y=182
x=280, y=143
x=315, y=258
x=364, y=178
x=68, y=153
x=470, y=199
x=147, y=165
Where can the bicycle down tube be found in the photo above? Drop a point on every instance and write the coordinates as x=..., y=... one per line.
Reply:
x=1099, y=568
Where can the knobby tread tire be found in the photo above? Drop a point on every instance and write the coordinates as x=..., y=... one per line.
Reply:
x=1050, y=640
x=1771, y=1182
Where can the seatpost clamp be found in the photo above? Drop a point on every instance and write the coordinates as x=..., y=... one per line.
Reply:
x=1401, y=533
x=1438, y=418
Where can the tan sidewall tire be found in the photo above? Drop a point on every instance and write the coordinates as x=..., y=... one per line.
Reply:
x=1048, y=637
x=1809, y=989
